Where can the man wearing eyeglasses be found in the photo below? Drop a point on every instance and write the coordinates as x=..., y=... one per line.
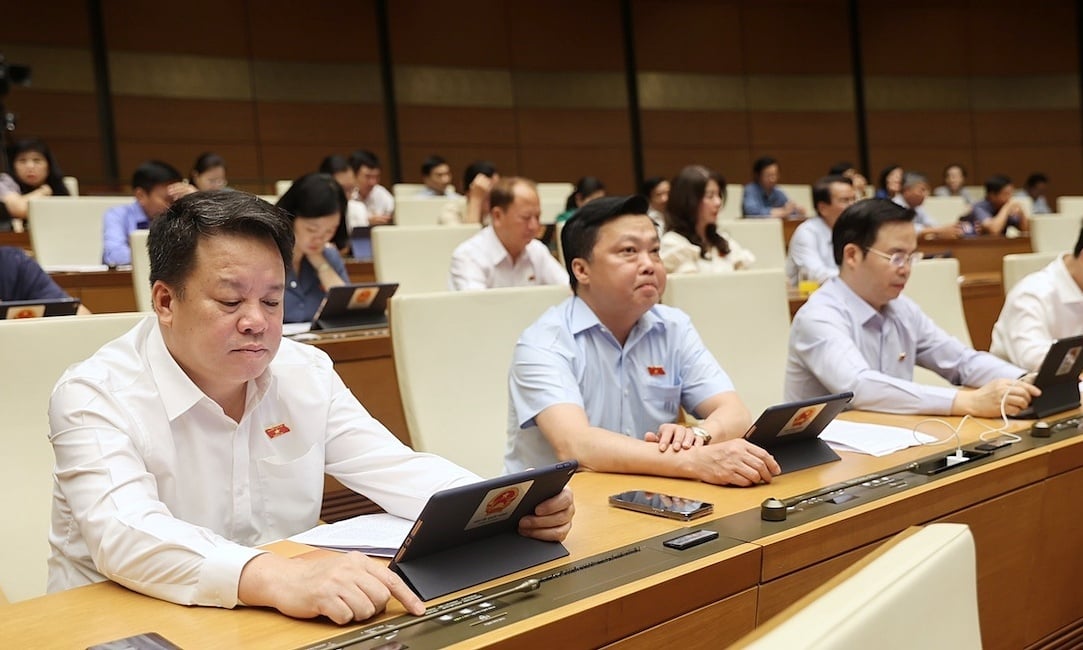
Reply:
x=857, y=333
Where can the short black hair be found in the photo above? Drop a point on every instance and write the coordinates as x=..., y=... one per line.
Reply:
x=153, y=173
x=482, y=167
x=649, y=184
x=821, y=191
x=996, y=182
x=364, y=158
x=860, y=223
x=1036, y=178
x=175, y=235
x=840, y=168
x=762, y=163
x=431, y=163
x=317, y=195
x=334, y=164
x=584, y=187
x=580, y=231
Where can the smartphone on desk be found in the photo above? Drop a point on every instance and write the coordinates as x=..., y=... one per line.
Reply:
x=663, y=505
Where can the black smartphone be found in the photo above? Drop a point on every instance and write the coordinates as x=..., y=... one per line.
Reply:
x=663, y=505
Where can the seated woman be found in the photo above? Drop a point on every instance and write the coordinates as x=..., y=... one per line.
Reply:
x=34, y=173
x=692, y=242
x=656, y=189
x=954, y=182
x=208, y=172
x=586, y=190
x=890, y=182
x=315, y=203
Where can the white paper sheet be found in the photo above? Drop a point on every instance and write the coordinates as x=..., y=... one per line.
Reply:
x=872, y=439
x=380, y=535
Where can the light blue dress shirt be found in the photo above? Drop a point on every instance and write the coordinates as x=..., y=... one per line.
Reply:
x=118, y=223
x=838, y=343
x=568, y=357
x=305, y=293
x=756, y=203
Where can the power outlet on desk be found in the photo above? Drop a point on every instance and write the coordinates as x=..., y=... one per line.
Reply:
x=948, y=461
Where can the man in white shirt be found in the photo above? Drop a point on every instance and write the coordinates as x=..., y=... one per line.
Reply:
x=809, y=254
x=1041, y=308
x=507, y=253
x=201, y=434
x=378, y=201
x=915, y=189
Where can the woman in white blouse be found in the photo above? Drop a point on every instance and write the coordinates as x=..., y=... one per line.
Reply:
x=692, y=242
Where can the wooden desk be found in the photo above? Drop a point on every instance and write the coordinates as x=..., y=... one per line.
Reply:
x=983, y=298
x=977, y=254
x=360, y=271
x=16, y=239
x=1029, y=565
x=103, y=292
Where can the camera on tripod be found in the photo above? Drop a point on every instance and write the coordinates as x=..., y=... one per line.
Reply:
x=12, y=74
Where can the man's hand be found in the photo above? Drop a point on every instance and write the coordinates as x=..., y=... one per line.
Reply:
x=180, y=190
x=674, y=437
x=985, y=401
x=731, y=462
x=552, y=519
x=343, y=587
x=379, y=219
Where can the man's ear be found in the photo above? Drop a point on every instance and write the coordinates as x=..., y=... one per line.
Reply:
x=581, y=270
x=162, y=297
x=851, y=255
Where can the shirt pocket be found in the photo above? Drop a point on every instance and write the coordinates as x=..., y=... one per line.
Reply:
x=293, y=488
x=662, y=400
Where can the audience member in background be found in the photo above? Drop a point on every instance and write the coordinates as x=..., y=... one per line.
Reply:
x=338, y=167
x=436, y=175
x=34, y=173
x=954, y=183
x=1041, y=308
x=857, y=179
x=602, y=376
x=506, y=253
x=315, y=204
x=155, y=185
x=810, y=255
x=762, y=198
x=478, y=180
x=915, y=189
x=656, y=189
x=377, y=199
x=998, y=210
x=586, y=190
x=1035, y=188
x=890, y=182
x=692, y=242
x=857, y=333
x=202, y=434
x=208, y=173
x=21, y=278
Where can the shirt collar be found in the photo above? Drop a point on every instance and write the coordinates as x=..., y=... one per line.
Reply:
x=862, y=311
x=583, y=318
x=494, y=249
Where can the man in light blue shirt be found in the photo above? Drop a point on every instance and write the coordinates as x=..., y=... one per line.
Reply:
x=155, y=185
x=762, y=198
x=436, y=175
x=809, y=254
x=857, y=333
x=601, y=377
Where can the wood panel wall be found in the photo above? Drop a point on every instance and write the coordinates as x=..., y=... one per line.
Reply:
x=540, y=88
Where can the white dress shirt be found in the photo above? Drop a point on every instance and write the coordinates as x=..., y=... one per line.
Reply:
x=357, y=214
x=682, y=256
x=811, y=251
x=482, y=262
x=379, y=201
x=839, y=343
x=1040, y=308
x=158, y=490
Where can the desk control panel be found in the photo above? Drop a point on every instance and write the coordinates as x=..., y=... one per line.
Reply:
x=468, y=616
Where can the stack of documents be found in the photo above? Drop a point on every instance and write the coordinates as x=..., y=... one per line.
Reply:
x=379, y=535
x=872, y=439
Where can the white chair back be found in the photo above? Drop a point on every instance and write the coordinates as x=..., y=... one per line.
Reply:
x=281, y=187
x=731, y=209
x=744, y=320
x=1054, y=233
x=761, y=236
x=417, y=257
x=423, y=211
x=925, y=578
x=72, y=185
x=452, y=355
x=41, y=349
x=67, y=231
x=934, y=286
x=801, y=194
x=140, y=269
x=1019, y=265
x=406, y=190
x=559, y=191
x=945, y=210
x=1070, y=206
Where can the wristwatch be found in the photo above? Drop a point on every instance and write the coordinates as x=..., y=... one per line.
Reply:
x=700, y=432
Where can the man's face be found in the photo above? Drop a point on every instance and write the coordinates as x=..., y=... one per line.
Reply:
x=625, y=273
x=225, y=327
x=842, y=197
x=873, y=277
x=439, y=178
x=998, y=199
x=156, y=201
x=369, y=177
x=769, y=177
x=953, y=178
x=517, y=224
x=915, y=194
